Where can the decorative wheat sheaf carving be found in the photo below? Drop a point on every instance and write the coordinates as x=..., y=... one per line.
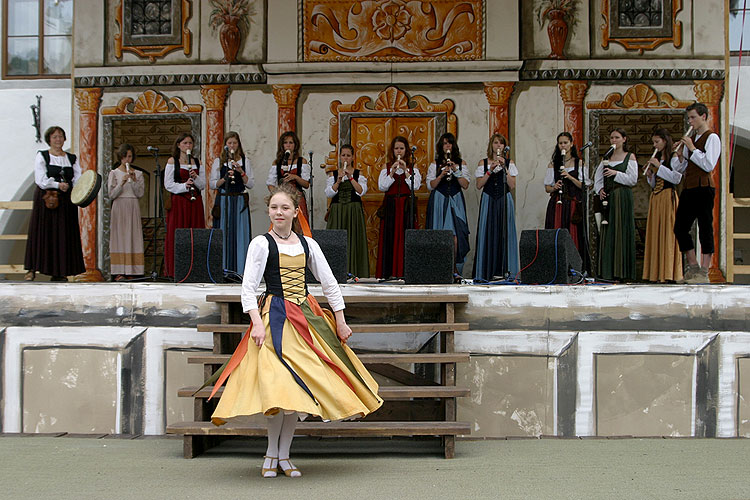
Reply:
x=393, y=30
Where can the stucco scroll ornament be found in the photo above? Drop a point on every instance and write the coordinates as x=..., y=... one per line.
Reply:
x=393, y=30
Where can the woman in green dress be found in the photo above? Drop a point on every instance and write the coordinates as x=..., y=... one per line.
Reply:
x=346, y=187
x=615, y=176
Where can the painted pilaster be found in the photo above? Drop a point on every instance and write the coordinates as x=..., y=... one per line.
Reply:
x=710, y=92
x=88, y=100
x=498, y=96
x=572, y=93
x=214, y=98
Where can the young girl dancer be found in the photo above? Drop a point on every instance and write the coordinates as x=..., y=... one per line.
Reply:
x=318, y=374
x=497, y=243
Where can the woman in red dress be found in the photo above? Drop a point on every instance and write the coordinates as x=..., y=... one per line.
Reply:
x=396, y=182
x=184, y=179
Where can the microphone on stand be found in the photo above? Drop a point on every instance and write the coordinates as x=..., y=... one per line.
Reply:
x=310, y=155
x=152, y=149
x=609, y=152
x=586, y=146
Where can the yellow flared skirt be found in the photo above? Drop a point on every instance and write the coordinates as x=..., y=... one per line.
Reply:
x=261, y=384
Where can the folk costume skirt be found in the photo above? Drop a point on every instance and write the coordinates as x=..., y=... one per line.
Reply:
x=302, y=366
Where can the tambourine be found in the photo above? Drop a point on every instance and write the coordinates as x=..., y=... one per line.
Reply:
x=86, y=189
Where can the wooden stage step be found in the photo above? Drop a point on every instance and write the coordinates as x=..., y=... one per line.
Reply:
x=390, y=393
x=361, y=328
x=451, y=357
x=340, y=429
x=458, y=298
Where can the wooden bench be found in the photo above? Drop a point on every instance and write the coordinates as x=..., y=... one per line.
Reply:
x=429, y=406
x=14, y=205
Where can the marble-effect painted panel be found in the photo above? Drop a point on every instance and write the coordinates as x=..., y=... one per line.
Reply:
x=180, y=374
x=743, y=410
x=511, y=395
x=644, y=395
x=70, y=390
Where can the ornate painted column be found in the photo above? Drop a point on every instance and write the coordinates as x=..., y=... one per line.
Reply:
x=572, y=93
x=214, y=98
x=498, y=95
x=286, y=100
x=710, y=92
x=88, y=100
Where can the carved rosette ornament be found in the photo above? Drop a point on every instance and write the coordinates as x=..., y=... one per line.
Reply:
x=393, y=30
x=88, y=100
x=498, y=96
x=572, y=93
x=710, y=92
x=214, y=99
x=286, y=101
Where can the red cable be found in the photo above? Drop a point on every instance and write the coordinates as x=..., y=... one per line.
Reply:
x=191, y=257
x=535, y=254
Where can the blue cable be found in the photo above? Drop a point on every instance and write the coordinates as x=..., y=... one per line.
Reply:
x=208, y=255
x=555, y=276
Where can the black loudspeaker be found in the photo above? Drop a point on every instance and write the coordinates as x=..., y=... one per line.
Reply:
x=542, y=270
x=333, y=244
x=195, y=261
x=428, y=257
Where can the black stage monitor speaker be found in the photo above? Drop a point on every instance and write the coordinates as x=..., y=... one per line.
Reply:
x=542, y=270
x=194, y=260
x=428, y=257
x=333, y=244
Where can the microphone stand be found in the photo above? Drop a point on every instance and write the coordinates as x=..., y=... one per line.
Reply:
x=587, y=264
x=504, y=262
x=312, y=197
x=411, y=197
x=158, y=222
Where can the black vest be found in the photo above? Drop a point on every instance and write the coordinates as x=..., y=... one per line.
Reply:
x=58, y=173
x=228, y=187
x=353, y=196
x=571, y=190
x=279, y=173
x=448, y=187
x=177, y=177
x=495, y=187
x=272, y=273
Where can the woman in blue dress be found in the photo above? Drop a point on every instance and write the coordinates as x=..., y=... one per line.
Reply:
x=497, y=241
x=447, y=177
x=232, y=175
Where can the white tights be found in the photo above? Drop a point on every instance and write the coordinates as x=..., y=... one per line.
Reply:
x=280, y=434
